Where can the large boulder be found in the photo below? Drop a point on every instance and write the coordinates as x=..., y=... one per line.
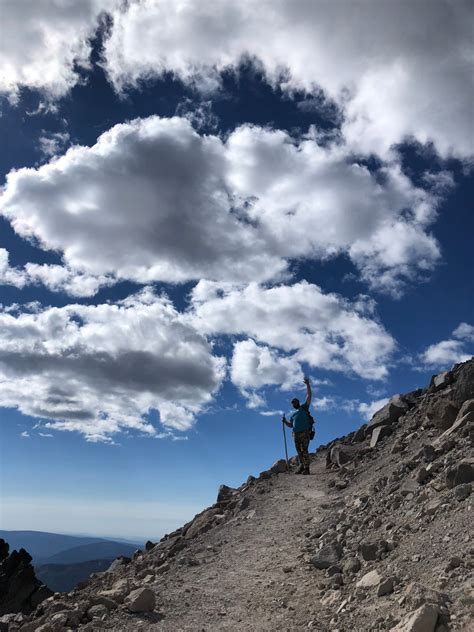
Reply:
x=121, y=560
x=442, y=413
x=372, y=550
x=369, y=580
x=389, y=414
x=118, y=592
x=463, y=386
x=225, y=493
x=467, y=407
x=422, y=620
x=141, y=600
x=442, y=380
x=340, y=455
x=417, y=595
x=20, y=590
x=359, y=435
x=461, y=421
x=460, y=474
x=279, y=467
x=379, y=433
x=202, y=523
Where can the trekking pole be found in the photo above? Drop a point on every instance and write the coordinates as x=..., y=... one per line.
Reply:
x=286, y=448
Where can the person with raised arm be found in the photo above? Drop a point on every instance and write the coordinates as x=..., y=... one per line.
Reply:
x=300, y=422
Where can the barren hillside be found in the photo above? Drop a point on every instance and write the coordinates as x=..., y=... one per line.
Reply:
x=379, y=537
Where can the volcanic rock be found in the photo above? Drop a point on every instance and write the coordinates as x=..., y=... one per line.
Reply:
x=20, y=590
x=327, y=556
x=141, y=600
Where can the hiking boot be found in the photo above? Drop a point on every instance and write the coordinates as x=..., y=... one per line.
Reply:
x=305, y=471
x=300, y=470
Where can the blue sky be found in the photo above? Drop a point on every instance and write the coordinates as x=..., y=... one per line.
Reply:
x=199, y=209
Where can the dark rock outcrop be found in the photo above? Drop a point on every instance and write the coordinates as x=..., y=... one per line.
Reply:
x=20, y=590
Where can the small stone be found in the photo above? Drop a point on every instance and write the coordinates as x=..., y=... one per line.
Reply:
x=422, y=476
x=454, y=562
x=429, y=452
x=462, y=473
x=372, y=550
x=461, y=492
x=327, y=556
x=385, y=587
x=351, y=565
x=432, y=507
x=333, y=570
x=336, y=580
x=369, y=551
x=97, y=611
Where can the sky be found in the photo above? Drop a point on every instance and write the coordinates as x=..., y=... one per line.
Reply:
x=200, y=204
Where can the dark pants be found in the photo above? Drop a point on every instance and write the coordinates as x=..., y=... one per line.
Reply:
x=301, y=445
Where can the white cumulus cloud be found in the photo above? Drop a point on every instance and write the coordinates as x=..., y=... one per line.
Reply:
x=101, y=369
x=42, y=41
x=445, y=353
x=255, y=366
x=55, y=277
x=154, y=200
x=300, y=321
x=395, y=69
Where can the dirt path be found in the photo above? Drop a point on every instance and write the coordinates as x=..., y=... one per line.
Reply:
x=249, y=573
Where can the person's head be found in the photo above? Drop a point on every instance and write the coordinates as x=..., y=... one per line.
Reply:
x=295, y=402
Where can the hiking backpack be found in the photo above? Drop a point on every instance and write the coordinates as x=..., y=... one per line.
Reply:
x=311, y=426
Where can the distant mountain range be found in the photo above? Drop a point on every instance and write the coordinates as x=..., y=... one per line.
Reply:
x=61, y=561
x=65, y=577
x=101, y=550
x=42, y=546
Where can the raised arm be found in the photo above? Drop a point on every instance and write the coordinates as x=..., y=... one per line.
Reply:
x=308, y=391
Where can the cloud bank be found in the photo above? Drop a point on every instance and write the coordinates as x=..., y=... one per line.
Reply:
x=300, y=320
x=101, y=369
x=396, y=70
x=44, y=43
x=154, y=200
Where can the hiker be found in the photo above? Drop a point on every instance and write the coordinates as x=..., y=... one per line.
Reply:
x=301, y=424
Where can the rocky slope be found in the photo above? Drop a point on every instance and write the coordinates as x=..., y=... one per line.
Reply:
x=379, y=537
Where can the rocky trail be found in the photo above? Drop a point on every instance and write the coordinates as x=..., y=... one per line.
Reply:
x=378, y=537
